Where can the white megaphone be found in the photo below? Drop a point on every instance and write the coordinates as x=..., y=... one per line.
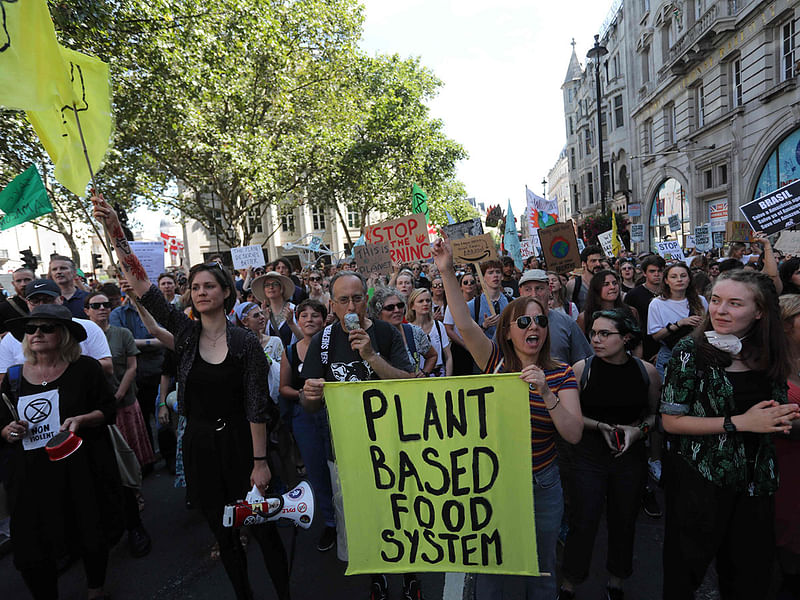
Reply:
x=296, y=505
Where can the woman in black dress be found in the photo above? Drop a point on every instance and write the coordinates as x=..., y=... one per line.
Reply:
x=222, y=392
x=72, y=505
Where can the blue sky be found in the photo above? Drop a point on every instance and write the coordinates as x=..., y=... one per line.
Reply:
x=502, y=63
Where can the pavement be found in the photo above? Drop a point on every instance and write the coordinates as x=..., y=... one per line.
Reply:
x=180, y=565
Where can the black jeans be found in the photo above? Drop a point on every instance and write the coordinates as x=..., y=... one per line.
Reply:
x=705, y=521
x=42, y=579
x=599, y=478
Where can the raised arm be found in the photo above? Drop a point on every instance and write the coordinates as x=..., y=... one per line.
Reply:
x=474, y=338
x=770, y=264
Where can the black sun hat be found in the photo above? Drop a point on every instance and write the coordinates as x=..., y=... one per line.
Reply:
x=47, y=312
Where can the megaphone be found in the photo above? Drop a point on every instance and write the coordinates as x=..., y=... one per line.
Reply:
x=296, y=506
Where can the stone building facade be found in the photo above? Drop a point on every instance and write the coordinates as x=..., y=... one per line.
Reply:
x=558, y=187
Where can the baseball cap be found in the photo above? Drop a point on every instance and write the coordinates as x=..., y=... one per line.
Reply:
x=42, y=286
x=533, y=275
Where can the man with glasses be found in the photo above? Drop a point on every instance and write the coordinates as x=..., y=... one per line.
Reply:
x=354, y=348
x=45, y=291
x=16, y=306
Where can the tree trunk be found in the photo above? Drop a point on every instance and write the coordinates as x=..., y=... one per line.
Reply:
x=344, y=224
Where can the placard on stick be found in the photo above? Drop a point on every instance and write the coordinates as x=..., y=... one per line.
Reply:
x=670, y=250
x=776, y=211
x=407, y=237
x=151, y=255
x=474, y=249
x=737, y=231
x=373, y=259
x=247, y=256
x=458, y=231
x=560, y=247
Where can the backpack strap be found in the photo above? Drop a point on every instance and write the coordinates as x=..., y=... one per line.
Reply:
x=642, y=370
x=587, y=367
x=441, y=343
x=476, y=305
x=325, y=344
x=576, y=289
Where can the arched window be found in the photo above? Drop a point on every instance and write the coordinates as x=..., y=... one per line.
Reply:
x=782, y=166
x=669, y=200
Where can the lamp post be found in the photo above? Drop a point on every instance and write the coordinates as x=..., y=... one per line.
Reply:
x=596, y=53
x=544, y=187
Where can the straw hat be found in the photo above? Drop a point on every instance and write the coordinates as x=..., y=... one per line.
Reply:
x=286, y=283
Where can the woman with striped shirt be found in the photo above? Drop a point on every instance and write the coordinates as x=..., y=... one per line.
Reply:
x=522, y=345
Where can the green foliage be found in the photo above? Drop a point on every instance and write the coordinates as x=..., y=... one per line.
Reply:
x=596, y=224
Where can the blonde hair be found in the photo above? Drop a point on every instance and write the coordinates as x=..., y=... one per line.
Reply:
x=411, y=314
x=69, y=350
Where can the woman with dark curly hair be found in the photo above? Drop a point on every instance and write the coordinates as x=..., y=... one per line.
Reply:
x=222, y=392
x=605, y=293
x=790, y=275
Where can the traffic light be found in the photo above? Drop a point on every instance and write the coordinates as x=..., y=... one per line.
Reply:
x=29, y=261
x=97, y=261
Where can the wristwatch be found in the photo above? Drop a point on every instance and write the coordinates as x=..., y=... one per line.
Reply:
x=728, y=425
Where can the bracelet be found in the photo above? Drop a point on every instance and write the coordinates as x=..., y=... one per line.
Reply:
x=644, y=427
x=160, y=404
x=259, y=458
x=554, y=405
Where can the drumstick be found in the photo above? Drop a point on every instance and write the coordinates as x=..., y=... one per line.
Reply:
x=11, y=408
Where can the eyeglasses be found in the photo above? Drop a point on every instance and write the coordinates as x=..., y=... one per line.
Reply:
x=40, y=299
x=602, y=334
x=272, y=284
x=99, y=305
x=525, y=321
x=32, y=328
x=392, y=307
x=315, y=279
x=467, y=283
x=356, y=299
x=436, y=285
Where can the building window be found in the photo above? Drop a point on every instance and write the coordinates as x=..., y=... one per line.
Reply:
x=571, y=126
x=575, y=196
x=787, y=50
x=619, y=114
x=590, y=187
x=572, y=157
x=699, y=9
x=353, y=219
x=587, y=141
x=722, y=172
x=669, y=200
x=708, y=179
x=287, y=219
x=736, y=83
x=615, y=65
x=700, y=106
x=645, y=64
x=254, y=223
x=670, y=125
x=604, y=124
x=318, y=218
x=648, y=136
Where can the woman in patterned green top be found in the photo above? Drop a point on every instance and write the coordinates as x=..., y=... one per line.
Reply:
x=724, y=397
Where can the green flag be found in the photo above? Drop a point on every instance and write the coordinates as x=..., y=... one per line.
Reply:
x=419, y=202
x=24, y=199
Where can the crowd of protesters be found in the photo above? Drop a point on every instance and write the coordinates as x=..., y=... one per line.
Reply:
x=642, y=374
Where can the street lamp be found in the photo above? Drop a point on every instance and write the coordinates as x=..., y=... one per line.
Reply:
x=596, y=53
x=544, y=187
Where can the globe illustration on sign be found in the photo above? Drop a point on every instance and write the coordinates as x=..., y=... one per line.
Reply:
x=559, y=247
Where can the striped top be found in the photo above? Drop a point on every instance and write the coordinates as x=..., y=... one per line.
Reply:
x=543, y=431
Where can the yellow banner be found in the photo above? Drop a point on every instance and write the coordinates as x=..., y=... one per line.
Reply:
x=435, y=474
x=57, y=128
x=32, y=74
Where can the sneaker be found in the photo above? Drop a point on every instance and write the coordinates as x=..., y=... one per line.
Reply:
x=327, y=540
x=650, y=504
x=139, y=543
x=565, y=595
x=379, y=588
x=613, y=593
x=411, y=591
x=654, y=466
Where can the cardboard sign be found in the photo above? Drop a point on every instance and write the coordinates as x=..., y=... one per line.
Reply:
x=247, y=256
x=670, y=251
x=407, y=237
x=674, y=223
x=458, y=231
x=737, y=231
x=560, y=247
x=373, y=258
x=151, y=255
x=605, y=242
x=702, y=238
x=637, y=232
x=776, y=211
x=527, y=248
x=431, y=474
x=789, y=243
x=474, y=249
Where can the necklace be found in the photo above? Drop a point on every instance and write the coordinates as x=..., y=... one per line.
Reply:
x=214, y=340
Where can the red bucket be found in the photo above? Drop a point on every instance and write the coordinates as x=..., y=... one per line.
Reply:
x=62, y=445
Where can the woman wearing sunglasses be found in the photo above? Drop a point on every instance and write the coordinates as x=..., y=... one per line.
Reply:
x=610, y=462
x=129, y=415
x=522, y=345
x=316, y=291
x=75, y=503
x=438, y=298
x=627, y=272
x=223, y=393
x=462, y=361
x=388, y=304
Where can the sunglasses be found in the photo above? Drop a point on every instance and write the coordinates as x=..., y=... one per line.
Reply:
x=467, y=283
x=99, y=305
x=314, y=279
x=525, y=321
x=392, y=307
x=273, y=284
x=30, y=328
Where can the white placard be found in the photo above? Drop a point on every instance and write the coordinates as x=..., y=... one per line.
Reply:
x=674, y=223
x=702, y=238
x=151, y=255
x=43, y=415
x=690, y=243
x=637, y=232
x=670, y=250
x=247, y=256
x=605, y=241
x=526, y=247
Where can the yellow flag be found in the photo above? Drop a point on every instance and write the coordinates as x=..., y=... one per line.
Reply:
x=615, y=247
x=57, y=128
x=32, y=73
